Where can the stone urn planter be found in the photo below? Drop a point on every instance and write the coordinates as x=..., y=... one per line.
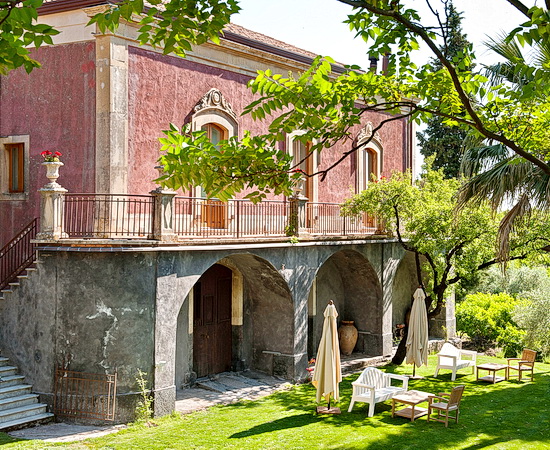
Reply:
x=52, y=170
x=347, y=335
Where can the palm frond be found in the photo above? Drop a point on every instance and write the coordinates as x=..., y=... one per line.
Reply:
x=477, y=159
x=518, y=212
x=501, y=182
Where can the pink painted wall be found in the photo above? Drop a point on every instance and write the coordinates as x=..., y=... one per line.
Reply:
x=165, y=89
x=55, y=106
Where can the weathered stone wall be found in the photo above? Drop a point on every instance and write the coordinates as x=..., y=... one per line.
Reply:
x=130, y=309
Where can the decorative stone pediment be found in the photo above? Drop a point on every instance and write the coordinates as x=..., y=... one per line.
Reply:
x=214, y=99
x=366, y=133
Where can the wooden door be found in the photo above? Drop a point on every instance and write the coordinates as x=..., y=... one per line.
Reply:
x=212, y=322
x=214, y=213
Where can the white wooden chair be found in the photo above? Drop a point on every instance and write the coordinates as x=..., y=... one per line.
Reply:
x=450, y=358
x=444, y=404
x=374, y=386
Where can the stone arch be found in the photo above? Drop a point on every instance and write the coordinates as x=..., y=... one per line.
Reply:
x=262, y=320
x=349, y=279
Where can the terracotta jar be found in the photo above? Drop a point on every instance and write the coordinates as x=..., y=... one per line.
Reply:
x=347, y=335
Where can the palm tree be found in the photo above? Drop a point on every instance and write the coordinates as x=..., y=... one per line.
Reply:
x=496, y=173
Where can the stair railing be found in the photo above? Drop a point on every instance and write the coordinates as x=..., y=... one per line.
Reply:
x=18, y=254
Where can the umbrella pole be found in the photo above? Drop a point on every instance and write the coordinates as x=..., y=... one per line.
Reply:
x=414, y=370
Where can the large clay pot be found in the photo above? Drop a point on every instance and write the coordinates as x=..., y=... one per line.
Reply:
x=347, y=335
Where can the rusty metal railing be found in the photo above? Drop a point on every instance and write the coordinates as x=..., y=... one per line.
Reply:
x=326, y=219
x=111, y=216
x=17, y=254
x=198, y=217
x=82, y=395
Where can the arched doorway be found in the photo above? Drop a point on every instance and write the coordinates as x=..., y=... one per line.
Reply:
x=350, y=281
x=212, y=336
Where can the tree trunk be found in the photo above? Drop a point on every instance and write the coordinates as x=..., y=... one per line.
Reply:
x=401, y=352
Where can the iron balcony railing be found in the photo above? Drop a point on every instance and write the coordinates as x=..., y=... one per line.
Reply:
x=17, y=254
x=112, y=216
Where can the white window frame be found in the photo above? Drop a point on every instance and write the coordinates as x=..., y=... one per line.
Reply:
x=214, y=109
x=290, y=138
x=375, y=147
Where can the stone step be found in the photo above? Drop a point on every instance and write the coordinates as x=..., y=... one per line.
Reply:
x=21, y=412
x=11, y=380
x=4, y=361
x=7, y=370
x=15, y=390
x=19, y=401
x=26, y=421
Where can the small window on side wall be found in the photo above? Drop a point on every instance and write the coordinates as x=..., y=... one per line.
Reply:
x=16, y=166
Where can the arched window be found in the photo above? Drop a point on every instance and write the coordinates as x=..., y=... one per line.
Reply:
x=215, y=132
x=214, y=114
x=302, y=159
x=369, y=157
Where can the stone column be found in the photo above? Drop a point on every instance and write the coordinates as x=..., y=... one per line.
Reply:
x=111, y=114
x=163, y=221
x=51, y=212
x=444, y=324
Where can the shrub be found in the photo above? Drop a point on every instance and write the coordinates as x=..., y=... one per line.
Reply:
x=533, y=315
x=487, y=320
x=516, y=280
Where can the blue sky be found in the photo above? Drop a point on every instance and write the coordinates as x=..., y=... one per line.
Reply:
x=316, y=25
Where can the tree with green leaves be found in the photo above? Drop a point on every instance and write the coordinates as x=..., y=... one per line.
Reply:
x=493, y=170
x=449, y=246
x=443, y=141
x=328, y=107
x=173, y=25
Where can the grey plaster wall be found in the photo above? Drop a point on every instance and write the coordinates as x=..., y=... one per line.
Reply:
x=130, y=310
x=28, y=327
x=404, y=285
x=349, y=279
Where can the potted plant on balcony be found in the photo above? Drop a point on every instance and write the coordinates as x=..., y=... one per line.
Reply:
x=52, y=163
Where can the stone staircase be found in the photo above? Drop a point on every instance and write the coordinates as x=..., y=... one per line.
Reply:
x=22, y=276
x=19, y=407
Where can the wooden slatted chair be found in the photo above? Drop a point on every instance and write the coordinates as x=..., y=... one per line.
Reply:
x=446, y=403
x=524, y=364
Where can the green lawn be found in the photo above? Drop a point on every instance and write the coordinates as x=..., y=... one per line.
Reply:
x=508, y=415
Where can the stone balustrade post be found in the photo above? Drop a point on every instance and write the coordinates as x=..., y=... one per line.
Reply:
x=302, y=215
x=52, y=206
x=163, y=220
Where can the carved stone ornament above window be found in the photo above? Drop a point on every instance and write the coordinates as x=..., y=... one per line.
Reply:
x=214, y=99
x=366, y=133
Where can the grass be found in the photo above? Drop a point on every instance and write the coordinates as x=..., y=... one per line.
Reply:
x=507, y=415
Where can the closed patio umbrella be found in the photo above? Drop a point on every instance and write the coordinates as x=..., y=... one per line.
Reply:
x=327, y=374
x=417, y=338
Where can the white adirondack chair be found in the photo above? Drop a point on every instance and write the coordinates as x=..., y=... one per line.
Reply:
x=450, y=358
x=374, y=386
